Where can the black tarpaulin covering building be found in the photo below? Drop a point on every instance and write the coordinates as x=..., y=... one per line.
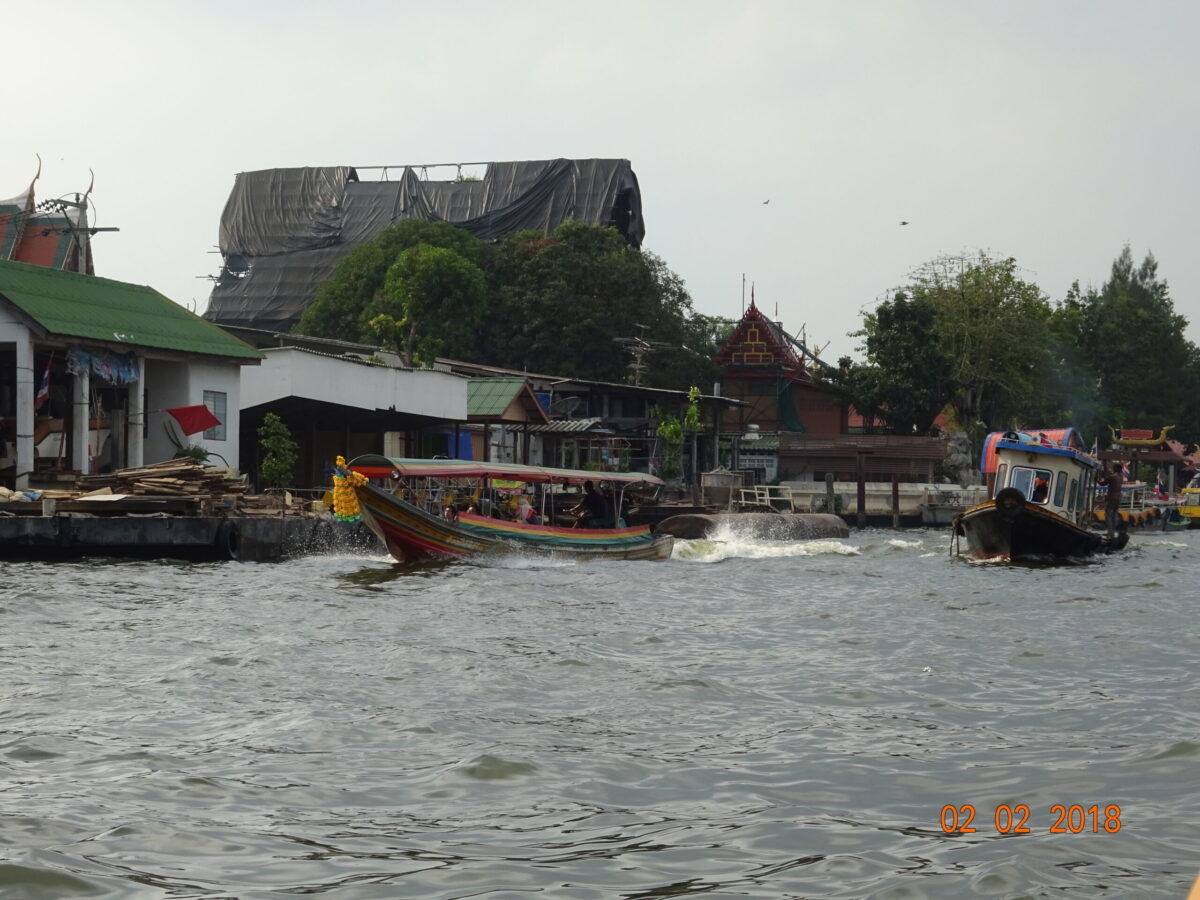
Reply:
x=284, y=230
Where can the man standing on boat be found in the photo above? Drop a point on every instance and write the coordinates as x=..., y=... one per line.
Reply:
x=1112, y=502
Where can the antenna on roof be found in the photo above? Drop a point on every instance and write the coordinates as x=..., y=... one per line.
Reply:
x=639, y=348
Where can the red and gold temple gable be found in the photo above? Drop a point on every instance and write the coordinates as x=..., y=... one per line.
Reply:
x=756, y=341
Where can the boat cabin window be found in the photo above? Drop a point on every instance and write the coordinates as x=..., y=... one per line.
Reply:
x=1060, y=489
x=1001, y=474
x=1033, y=483
x=1071, y=503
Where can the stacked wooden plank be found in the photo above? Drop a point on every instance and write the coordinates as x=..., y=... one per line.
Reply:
x=267, y=505
x=181, y=478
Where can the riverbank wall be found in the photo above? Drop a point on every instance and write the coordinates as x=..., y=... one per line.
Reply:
x=197, y=538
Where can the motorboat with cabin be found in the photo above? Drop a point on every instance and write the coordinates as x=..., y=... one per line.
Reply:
x=1043, y=484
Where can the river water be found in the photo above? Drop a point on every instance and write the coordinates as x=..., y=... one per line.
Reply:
x=748, y=719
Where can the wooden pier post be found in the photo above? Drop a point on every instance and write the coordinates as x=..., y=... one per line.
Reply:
x=830, y=499
x=862, y=492
x=895, y=501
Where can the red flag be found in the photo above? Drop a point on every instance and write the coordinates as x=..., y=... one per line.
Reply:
x=194, y=418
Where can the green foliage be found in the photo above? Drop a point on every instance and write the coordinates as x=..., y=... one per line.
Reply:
x=670, y=431
x=552, y=303
x=277, y=452
x=691, y=417
x=433, y=298
x=673, y=431
x=967, y=333
x=1136, y=367
x=970, y=333
x=195, y=452
x=386, y=330
x=992, y=327
x=905, y=381
x=341, y=308
x=560, y=301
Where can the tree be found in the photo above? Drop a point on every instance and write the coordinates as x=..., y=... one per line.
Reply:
x=992, y=327
x=1069, y=380
x=905, y=381
x=673, y=431
x=1144, y=371
x=277, y=452
x=341, y=306
x=559, y=301
x=434, y=300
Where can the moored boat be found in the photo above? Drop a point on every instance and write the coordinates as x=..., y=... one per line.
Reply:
x=1189, y=502
x=409, y=517
x=1042, y=500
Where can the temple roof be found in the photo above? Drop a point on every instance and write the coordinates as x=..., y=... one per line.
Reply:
x=758, y=342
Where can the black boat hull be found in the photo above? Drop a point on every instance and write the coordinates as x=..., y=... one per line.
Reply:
x=992, y=531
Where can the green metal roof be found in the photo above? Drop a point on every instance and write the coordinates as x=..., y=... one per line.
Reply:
x=115, y=312
x=491, y=396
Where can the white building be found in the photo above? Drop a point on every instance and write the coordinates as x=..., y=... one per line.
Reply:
x=89, y=366
x=344, y=399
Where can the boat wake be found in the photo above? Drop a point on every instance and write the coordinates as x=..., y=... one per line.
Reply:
x=518, y=560
x=729, y=543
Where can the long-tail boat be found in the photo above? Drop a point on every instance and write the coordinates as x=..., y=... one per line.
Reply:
x=407, y=517
x=1042, y=500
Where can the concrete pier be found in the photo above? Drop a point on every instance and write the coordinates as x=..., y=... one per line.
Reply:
x=245, y=538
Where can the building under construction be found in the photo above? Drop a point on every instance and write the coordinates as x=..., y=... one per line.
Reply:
x=283, y=231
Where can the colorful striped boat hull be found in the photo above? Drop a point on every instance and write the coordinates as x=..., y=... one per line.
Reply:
x=410, y=533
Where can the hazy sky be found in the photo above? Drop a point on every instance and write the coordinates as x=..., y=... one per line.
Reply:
x=1053, y=132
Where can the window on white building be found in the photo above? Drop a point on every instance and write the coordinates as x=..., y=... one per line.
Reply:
x=215, y=401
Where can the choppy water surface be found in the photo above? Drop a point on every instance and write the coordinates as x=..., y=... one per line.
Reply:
x=745, y=720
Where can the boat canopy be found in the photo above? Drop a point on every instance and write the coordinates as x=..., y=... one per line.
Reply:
x=1068, y=438
x=375, y=466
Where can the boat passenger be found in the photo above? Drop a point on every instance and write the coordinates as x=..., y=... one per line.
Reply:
x=593, y=507
x=472, y=511
x=450, y=514
x=524, y=512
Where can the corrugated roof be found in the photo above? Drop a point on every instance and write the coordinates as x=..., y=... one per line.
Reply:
x=567, y=426
x=114, y=312
x=491, y=396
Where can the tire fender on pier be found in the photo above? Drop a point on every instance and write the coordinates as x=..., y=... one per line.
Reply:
x=229, y=539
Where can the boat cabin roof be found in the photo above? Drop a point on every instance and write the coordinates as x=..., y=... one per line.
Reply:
x=1044, y=450
x=376, y=466
x=1066, y=440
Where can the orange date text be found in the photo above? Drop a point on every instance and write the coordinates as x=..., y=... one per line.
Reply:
x=1062, y=818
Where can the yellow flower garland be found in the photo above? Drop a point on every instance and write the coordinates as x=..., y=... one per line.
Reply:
x=345, y=503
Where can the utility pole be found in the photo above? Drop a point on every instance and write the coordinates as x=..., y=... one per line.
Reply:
x=81, y=233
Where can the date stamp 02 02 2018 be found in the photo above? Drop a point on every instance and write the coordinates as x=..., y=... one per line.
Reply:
x=1016, y=819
